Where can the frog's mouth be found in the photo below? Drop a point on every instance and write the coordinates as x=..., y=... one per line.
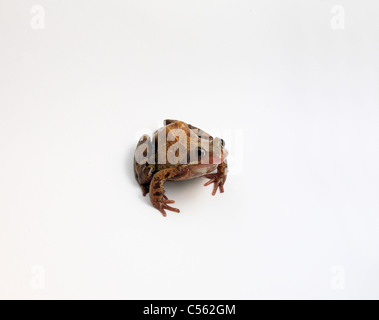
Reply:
x=217, y=159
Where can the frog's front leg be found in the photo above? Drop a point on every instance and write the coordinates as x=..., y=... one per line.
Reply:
x=157, y=196
x=218, y=178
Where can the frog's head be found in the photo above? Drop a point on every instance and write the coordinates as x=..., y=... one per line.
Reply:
x=205, y=151
x=191, y=146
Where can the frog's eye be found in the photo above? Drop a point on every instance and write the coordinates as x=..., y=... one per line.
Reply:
x=201, y=153
x=222, y=143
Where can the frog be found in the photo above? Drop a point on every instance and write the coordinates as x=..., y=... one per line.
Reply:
x=178, y=151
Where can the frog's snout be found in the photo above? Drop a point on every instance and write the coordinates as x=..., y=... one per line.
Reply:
x=219, y=151
x=219, y=158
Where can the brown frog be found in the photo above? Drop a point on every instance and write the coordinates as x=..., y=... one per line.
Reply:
x=178, y=151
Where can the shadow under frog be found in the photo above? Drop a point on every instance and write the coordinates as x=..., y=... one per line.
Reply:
x=178, y=151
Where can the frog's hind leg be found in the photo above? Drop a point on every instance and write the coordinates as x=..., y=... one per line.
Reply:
x=144, y=163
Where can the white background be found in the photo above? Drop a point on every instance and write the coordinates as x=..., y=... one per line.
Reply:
x=294, y=96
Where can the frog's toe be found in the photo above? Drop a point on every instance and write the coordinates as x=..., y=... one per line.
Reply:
x=166, y=200
x=162, y=211
x=163, y=205
x=209, y=182
x=215, y=187
x=218, y=183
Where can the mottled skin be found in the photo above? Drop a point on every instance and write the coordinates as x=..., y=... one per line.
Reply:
x=203, y=155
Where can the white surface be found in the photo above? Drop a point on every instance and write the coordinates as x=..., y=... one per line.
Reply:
x=301, y=201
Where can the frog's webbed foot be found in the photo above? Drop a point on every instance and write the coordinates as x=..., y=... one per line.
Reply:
x=218, y=178
x=162, y=205
x=218, y=182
